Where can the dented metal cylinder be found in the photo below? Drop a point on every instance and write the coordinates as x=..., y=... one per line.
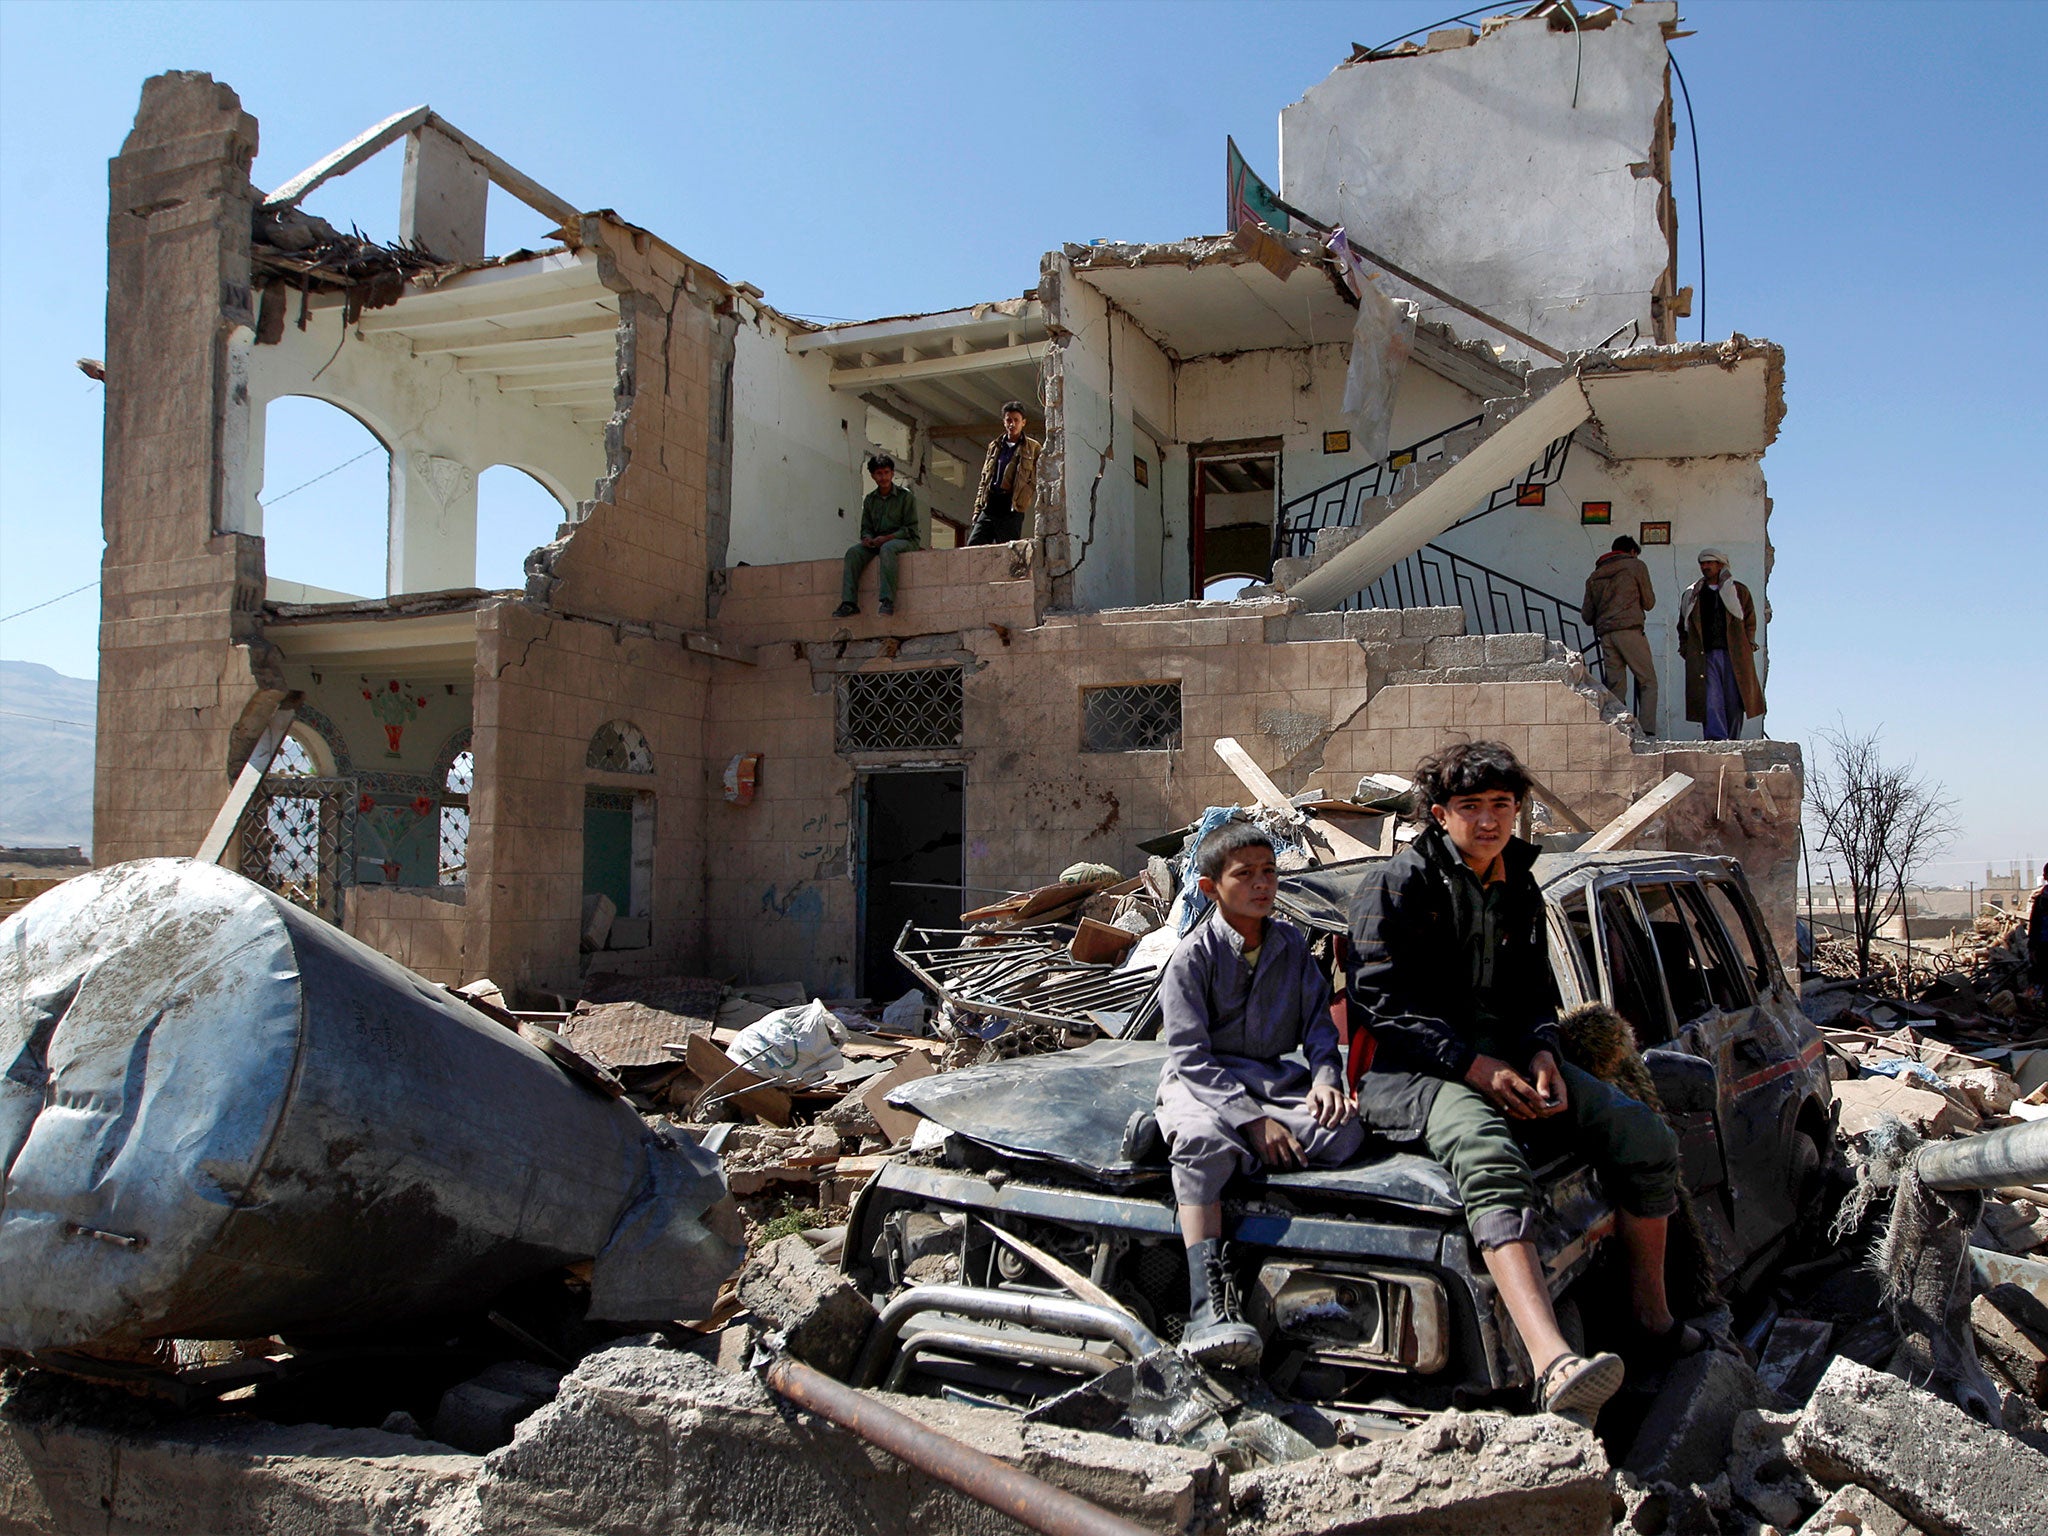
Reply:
x=220, y=1117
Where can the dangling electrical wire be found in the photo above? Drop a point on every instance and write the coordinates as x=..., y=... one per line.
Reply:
x=1699, y=200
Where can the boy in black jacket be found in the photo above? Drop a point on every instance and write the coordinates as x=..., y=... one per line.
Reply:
x=1451, y=966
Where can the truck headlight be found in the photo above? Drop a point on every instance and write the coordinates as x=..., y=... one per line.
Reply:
x=1390, y=1319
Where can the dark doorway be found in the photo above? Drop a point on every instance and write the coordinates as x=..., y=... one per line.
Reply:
x=1236, y=491
x=910, y=843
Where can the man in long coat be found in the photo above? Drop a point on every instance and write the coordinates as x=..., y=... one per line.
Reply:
x=1717, y=620
x=1008, y=489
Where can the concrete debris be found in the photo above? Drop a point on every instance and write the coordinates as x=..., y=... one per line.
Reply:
x=1537, y=1476
x=1795, y=1356
x=1853, y=1511
x=480, y=1414
x=1761, y=1473
x=2012, y=1350
x=1945, y=1472
x=1686, y=1435
x=822, y=1317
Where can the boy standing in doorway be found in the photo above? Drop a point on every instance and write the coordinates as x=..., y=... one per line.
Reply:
x=1241, y=993
x=1450, y=964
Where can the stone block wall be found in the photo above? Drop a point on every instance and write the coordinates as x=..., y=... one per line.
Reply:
x=545, y=683
x=177, y=674
x=424, y=930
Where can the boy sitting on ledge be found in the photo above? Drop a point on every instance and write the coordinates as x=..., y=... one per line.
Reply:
x=1240, y=993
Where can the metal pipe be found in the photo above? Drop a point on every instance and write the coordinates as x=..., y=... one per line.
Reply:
x=1028, y=1500
x=2015, y=1154
x=1053, y=1314
x=994, y=1347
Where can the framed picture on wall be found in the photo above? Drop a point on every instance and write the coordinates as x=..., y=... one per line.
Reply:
x=1336, y=442
x=1596, y=511
x=1654, y=533
x=1140, y=470
x=1529, y=495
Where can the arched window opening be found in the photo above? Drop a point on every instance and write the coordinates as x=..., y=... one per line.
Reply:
x=515, y=515
x=295, y=839
x=1224, y=589
x=326, y=501
x=619, y=747
x=456, y=784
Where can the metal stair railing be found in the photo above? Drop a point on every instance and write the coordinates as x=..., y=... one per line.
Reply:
x=1336, y=504
x=1494, y=602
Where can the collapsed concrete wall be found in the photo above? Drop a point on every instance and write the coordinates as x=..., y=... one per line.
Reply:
x=1556, y=138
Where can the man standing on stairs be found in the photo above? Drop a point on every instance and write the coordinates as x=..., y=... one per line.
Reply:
x=1009, y=482
x=1717, y=638
x=1618, y=594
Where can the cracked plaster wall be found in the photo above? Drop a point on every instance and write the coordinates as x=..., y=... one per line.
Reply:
x=1471, y=167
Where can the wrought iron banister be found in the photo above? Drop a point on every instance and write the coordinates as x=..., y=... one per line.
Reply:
x=1336, y=504
x=1494, y=602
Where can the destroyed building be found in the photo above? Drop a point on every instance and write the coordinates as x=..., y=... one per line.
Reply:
x=669, y=717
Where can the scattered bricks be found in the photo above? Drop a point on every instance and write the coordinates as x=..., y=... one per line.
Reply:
x=1854, y=1511
x=1761, y=1472
x=642, y=1440
x=1505, y=1475
x=1794, y=1356
x=480, y=1414
x=1926, y=1458
x=2023, y=1361
x=1867, y=1101
x=821, y=1315
x=1987, y=1088
x=1686, y=1434
x=1515, y=650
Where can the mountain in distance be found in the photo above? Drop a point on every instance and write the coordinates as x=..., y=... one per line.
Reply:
x=46, y=747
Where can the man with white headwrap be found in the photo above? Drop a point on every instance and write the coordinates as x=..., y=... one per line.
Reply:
x=1717, y=637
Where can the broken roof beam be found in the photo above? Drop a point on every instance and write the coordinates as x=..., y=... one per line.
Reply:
x=869, y=375
x=978, y=322
x=373, y=140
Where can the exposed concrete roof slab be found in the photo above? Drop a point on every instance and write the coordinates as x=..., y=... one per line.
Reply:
x=1688, y=402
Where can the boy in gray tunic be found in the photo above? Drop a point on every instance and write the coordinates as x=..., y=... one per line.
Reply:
x=1240, y=994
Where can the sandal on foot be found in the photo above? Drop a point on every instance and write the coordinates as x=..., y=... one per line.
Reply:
x=1656, y=1350
x=1573, y=1384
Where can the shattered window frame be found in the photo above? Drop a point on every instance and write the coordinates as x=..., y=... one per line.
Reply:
x=906, y=710
x=1131, y=717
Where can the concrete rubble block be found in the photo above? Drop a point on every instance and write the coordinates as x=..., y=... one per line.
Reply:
x=1458, y=1472
x=822, y=1316
x=2023, y=1361
x=1853, y=1511
x=1458, y=651
x=1510, y=650
x=1372, y=624
x=69, y=1463
x=1761, y=1472
x=1866, y=1102
x=1687, y=1433
x=480, y=1414
x=1429, y=623
x=1311, y=626
x=1794, y=1356
x=1926, y=1458
x=657, y=1441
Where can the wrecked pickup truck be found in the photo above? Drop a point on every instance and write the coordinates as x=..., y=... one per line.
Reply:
x=1362, y=1278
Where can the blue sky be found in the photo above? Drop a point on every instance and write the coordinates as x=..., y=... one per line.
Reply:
x=1874, y=202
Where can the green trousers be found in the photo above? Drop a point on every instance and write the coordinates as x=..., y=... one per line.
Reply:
x=1634, y=1151
x=857, y=558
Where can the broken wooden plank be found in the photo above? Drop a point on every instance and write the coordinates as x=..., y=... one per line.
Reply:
x=1551, y=798
x=1631, y=821
x=896, y=1124
x=1251, y=775
x=1342, y=845
x=721, y=1074
x=215, y=844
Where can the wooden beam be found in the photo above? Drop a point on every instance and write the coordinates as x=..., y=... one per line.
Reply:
x=1631, y=821
x=514, y=180
x=1251, y=775
x=215, y=844
x=1551, y=798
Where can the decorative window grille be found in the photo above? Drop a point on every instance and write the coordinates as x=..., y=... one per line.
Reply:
x=899, y=711
x=298, y=838
x=618, y=747
x=1135, y=717
x=455, y=818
